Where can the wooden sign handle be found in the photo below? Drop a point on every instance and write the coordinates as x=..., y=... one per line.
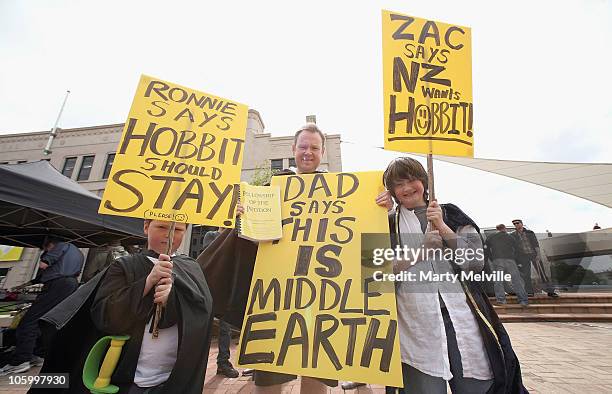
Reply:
x=158, y=307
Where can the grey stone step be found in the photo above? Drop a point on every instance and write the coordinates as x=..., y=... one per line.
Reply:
x=562, y=308
x=564, y=298
x=555, y=317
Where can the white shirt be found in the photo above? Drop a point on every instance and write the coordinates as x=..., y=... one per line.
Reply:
x=421, y=327
x=157, y=356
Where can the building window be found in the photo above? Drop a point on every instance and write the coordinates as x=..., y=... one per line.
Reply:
x=276, y=164
x=69, y=166
x=85, y=170
x=110, y=159
x=292, y=162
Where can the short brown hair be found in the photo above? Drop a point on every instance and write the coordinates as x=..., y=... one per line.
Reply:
x=500, y=226
x=405, y=168
x=311, y=127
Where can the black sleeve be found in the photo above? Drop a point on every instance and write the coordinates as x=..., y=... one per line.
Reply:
x=534, y=240
x=118, y=303
x=515, y=247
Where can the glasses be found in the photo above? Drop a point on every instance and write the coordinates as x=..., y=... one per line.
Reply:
x=516, y=222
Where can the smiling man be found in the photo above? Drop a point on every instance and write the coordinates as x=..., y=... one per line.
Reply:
x=308, y=148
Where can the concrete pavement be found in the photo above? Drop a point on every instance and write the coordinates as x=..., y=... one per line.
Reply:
x=555, y=358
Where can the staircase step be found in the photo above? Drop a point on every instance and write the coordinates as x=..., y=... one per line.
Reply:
x=556, y=317
x=563, y=308
x=564, y=298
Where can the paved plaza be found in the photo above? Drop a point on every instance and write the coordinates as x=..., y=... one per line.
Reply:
x=555, y=357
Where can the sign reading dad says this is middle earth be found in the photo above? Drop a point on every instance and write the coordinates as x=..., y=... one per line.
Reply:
x=427, y=83
x=311, y=311
x=179, y=158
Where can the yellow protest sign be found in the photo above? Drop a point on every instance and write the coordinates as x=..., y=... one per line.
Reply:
x=427, y=84
x=10, y=253
x=311, y=310
x=179, y=158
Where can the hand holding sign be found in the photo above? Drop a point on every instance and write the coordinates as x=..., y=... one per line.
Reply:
x=434, y=214
x=162, y=291
x=161, y=270
x=384, y=200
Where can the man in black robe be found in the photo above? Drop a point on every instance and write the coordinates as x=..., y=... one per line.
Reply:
x=121, y=301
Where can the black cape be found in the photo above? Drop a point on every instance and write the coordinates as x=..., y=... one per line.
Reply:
x=111, y=303
x=228, y=263
x=504, y=363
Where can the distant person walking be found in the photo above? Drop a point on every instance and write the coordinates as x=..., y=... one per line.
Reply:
x=501, y=250
x=528, y=254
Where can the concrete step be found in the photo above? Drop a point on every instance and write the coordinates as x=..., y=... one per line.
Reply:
x=564, y=298
x=563, y=308
x=555, y=317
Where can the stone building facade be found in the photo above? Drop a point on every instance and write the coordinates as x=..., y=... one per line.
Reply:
x=86, y=155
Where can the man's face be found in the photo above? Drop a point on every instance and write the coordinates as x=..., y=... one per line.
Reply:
x=157, y=235
x=308, y=151
x=518, y=225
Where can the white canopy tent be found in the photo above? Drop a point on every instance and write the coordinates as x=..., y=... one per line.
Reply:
x=591, y=181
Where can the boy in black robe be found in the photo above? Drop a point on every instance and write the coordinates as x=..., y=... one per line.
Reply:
x=121, y=301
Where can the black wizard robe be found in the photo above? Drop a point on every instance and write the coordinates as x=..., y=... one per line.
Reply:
x=112, y=304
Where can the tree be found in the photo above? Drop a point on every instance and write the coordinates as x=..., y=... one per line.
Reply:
x=263, y=174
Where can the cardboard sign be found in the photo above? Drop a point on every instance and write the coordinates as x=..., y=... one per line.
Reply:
x=10, y=253
x=311, y=310
x=427, y=83
x=179, y=158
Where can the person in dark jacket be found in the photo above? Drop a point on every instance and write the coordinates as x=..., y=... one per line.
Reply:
x=501, y=250
x=529, y=254
x=59, y=266
x=449, y=332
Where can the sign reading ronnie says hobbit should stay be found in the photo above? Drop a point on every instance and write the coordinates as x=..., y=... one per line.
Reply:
x=179, y=158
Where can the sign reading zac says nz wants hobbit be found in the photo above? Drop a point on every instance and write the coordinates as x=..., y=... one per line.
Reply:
x=427, y=83
x=179, y=158
x=311, y=311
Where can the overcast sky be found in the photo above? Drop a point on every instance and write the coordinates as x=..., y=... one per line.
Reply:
x=541, y=79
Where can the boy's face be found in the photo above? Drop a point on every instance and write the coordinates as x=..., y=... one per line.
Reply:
x=409, y=193
x=157, y=235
